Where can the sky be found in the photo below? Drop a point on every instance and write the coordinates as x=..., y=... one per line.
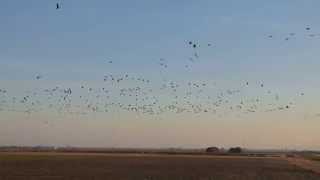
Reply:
x=241, y=47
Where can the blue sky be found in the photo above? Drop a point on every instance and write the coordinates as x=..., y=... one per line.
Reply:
x=139, y=32
x=72, y=45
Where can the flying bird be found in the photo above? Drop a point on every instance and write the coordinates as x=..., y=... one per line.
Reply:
x=38, y=77
x=292, y=34
x=58, y=6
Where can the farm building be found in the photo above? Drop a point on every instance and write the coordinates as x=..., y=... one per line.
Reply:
x=212, y=150
x=235, y=150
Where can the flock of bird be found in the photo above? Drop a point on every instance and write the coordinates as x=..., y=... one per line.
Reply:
x=138, y=94
x=291, y=35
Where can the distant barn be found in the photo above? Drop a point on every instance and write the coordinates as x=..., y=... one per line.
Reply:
x=235, y=150
x=212, y=150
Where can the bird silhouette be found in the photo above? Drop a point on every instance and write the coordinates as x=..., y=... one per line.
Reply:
x=58, y=6
x=38, y=77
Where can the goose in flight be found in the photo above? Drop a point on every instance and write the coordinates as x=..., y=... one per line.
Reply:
x=58, y=6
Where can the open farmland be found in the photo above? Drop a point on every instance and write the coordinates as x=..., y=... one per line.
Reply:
x=315, y=157
x=53, y=166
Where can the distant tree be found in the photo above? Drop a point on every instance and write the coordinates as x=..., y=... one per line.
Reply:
x=212, y=150
x=235, y=150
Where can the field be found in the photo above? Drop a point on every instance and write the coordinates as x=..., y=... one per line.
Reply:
x=313, y=157
x=59, y=166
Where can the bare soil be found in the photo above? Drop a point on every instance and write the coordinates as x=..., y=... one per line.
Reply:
x=55, y=166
